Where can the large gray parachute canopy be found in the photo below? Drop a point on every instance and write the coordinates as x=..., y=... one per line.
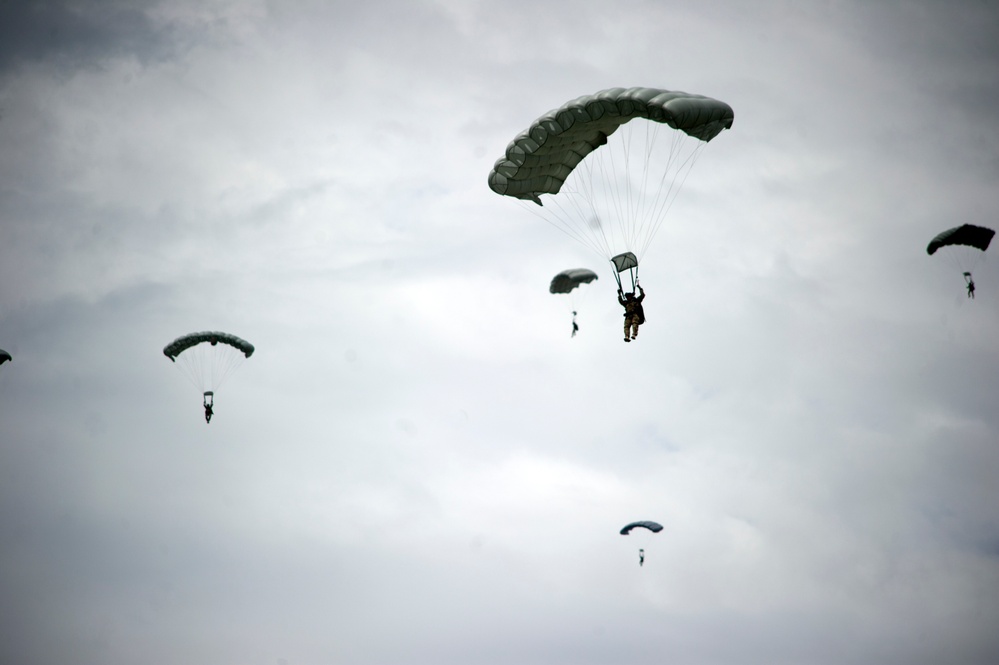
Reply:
x=654, y=527
x=181, y=344
x=4, y=356
x=567, y=280
x=541, y=157
x=970, y=235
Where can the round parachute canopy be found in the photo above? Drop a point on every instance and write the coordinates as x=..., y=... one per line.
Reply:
x=4, y=356
x=967, y=235
x=613, y=187
x=208, y=358
x=654, y=527
x=567, y=280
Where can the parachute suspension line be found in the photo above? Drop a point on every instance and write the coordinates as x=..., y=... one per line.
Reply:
x=558, y=215
x=592, y=176
x=617, y=278
x=664, y=203
x=633, y=272
x=207, y=366
x=585, y=189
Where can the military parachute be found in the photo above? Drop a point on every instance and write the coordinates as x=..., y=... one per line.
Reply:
x=566, y=282
x=4, y=357
x=611, y=193
x=654, y=527
x=207, y=359
x=964, y=248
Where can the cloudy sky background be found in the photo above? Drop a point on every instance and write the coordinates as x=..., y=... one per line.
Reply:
x=419, y=465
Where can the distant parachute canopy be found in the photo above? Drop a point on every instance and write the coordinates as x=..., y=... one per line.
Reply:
x=4, y=357
x=181, y=344
x=208, y=358
x=654, y=527
x=567, y=280
x=969, y=235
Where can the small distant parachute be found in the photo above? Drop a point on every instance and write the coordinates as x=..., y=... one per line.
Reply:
x=208, y=358
x=654, y=527
x=567, y=280
x=963, y=247
x=4, y=357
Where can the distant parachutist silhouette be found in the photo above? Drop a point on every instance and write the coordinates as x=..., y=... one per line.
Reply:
x=971, y=285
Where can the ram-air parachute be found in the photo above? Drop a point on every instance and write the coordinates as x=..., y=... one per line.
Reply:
x=610, y=193
x=964, y=248
x=654, y=527
x=567, y=282
x=207, y=359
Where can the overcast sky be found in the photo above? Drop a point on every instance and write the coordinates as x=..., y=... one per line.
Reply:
x=419, y=465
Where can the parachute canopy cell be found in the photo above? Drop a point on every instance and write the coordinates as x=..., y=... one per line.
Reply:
x=567, y=280
x=540, y=158
x=4, y=356
x=181, y=344
x=970, y=235
x=654, y=527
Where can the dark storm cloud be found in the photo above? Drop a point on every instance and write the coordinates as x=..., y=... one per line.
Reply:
x=73, y=34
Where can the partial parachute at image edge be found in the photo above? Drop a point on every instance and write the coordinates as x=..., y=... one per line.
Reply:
x=654, y=527
x=969, y=235
x=181, y=344
x=5, y=357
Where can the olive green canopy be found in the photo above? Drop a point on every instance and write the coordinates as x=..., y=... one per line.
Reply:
x=540, y=158
x=567, y=280
x=181, y=344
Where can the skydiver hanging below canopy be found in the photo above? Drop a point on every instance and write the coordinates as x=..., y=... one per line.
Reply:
x=209, y=406
x=964, y=247
x=641, y=557
x=566, y=283
x=634, y=313
x=971, y=285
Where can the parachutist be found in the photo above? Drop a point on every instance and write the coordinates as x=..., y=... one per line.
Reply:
x=634, y=313
x=971, y=285
x=568, y=280
x=641, y=557
x=209, y=404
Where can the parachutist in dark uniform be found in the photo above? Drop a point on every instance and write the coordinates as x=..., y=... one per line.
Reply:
x=641, y=557
x=209, y=403
x=575, y=326
x=971, y=285
x=634, y=314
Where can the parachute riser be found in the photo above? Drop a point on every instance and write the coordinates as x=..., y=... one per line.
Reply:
x=632, y=276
